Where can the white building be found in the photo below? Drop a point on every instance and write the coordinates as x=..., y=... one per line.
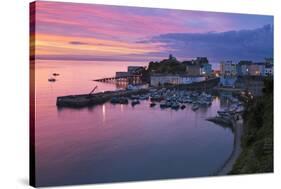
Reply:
x=162, y=79
x=228, y=68
x=228, y=74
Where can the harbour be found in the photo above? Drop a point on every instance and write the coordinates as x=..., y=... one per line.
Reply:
x=176, y=92
x=128, y=137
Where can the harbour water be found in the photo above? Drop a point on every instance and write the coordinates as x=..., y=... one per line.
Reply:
x=108, y=143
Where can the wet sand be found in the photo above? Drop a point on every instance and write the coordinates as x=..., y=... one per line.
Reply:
x=238, y=132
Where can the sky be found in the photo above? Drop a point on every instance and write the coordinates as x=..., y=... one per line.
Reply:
x=71, y=31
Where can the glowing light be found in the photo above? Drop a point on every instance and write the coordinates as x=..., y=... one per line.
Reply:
x=50, y=44
x=103, y=113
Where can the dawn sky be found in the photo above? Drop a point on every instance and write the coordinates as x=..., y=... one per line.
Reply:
x=70, y=31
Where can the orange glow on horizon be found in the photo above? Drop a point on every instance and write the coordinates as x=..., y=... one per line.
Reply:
x=47, y=44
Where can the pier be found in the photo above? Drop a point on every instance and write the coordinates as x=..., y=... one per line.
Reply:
x=128, y=78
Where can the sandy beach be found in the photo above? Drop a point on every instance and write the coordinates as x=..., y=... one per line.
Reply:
x=238, y=132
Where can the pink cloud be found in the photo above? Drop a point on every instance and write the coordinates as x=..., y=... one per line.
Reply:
x=115, y=21
x=84, y=23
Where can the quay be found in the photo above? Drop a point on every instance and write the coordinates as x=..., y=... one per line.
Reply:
x=84, y=100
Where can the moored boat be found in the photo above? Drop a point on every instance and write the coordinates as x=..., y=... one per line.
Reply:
x=119, y=100
x=152, y=104
x=135, y=102
x=163, y=105
x=195, y=107
x=175, y=106
x=144, y=97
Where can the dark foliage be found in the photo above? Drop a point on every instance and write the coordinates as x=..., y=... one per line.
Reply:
x=257, y=142
x=167, y=66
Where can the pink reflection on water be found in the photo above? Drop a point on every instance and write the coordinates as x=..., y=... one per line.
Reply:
x=113, y=140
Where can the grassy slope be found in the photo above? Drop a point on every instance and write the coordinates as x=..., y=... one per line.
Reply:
x=257, y=142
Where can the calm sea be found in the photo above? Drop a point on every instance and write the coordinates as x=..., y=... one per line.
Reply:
x=110, y=143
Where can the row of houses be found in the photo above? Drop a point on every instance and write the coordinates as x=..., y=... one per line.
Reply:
x=196, y=70
x=247, y=68
x=245, y=74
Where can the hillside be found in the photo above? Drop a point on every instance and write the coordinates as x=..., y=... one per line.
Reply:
x=257, y=142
